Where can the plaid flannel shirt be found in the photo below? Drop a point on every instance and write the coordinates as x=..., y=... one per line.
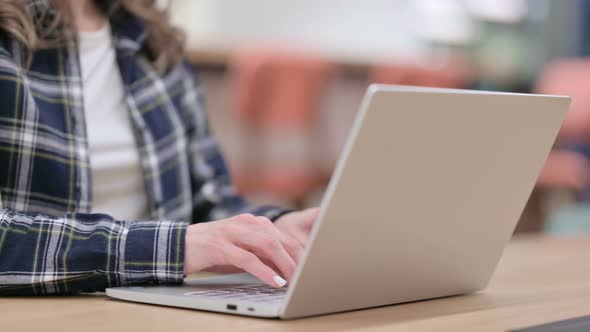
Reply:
x=50, y=242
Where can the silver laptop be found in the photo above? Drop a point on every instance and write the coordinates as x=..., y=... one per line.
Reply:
x=424, y=198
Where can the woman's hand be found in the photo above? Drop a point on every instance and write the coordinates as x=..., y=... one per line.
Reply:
x=248, y=243
x=298, y=224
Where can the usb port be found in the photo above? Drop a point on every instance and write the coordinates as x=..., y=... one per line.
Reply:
x=232, y=307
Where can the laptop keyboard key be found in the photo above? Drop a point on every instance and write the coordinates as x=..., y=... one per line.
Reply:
x=256, y=293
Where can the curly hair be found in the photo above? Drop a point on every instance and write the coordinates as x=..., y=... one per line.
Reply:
x=40, y=24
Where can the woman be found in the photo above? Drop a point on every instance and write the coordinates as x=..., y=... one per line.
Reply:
x=106, y=157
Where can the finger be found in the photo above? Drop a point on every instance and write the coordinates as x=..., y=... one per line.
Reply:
x=310, y=216
x=260, y=235
x=292, y=245
x=301, y=237
x=268, y=247
x=248, y=262
x=306, y=218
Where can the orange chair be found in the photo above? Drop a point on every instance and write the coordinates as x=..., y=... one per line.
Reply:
x=568, y=169
x=275, y=97
x=453, y=74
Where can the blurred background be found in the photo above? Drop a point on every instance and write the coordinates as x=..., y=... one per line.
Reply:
x=283, y=80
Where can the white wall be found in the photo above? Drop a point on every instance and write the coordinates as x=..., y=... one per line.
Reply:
x=363, y=30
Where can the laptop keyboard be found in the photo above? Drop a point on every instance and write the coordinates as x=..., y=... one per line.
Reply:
x=255, y=293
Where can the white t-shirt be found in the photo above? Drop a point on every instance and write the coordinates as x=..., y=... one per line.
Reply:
x=118, y=188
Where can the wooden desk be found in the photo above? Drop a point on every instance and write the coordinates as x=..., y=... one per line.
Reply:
x=539, y=280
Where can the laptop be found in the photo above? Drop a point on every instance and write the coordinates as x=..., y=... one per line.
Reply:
x=424, y=198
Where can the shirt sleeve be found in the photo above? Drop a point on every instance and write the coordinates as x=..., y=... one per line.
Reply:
x=214, y=197
x=42, y=255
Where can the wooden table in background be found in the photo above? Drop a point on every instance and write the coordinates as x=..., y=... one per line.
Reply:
x=539, y=280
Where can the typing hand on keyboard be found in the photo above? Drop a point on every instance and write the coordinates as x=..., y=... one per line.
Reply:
x=245, y=242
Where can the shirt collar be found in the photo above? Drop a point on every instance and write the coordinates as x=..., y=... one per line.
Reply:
x=129, y=33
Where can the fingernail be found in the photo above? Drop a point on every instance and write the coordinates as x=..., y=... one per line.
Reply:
x=279, y=281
